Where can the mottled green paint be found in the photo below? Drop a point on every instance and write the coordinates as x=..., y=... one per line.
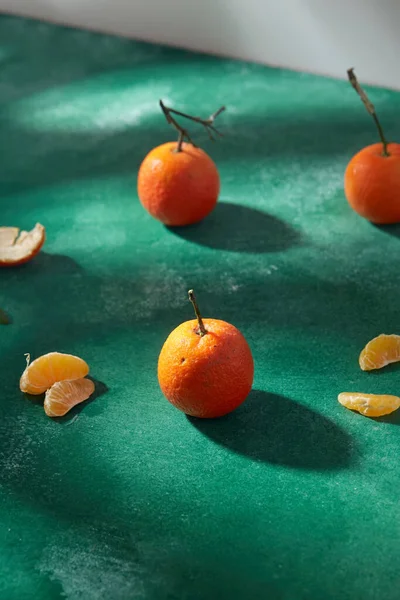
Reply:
x=291, y=497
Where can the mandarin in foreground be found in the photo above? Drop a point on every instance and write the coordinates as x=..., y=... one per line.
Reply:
x=50, y=368
x=205, y=367
x=178, y=187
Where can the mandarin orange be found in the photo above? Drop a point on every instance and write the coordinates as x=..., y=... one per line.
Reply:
x=178, y=188
x=178, y=183
x=372, y=183
x=205, y=367
x=372, y=177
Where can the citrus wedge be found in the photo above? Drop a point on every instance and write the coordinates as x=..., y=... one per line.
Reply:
x=369, y=405
x=50, y=368
x=18, y=247
x=380, y=351
x=63, y=395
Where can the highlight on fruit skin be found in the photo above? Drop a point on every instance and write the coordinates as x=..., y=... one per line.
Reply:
x=380, y=351
x=369, y=405
x=49, y=369
x=64, y=395
x=18, y=247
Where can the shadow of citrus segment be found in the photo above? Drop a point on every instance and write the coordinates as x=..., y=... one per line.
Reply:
x=100, y=389
x=274, y=429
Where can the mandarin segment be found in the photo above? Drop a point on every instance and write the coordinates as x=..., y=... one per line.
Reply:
x=380, y=351
x=369, y=405
x=50, y=368
x=64, y=395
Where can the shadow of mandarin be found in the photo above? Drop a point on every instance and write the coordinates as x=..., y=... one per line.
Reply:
x=274, y=429
x=238, y=228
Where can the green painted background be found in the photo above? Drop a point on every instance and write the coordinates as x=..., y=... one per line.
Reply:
x=291, y=497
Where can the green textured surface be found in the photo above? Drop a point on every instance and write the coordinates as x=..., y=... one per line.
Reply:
x=291, y=497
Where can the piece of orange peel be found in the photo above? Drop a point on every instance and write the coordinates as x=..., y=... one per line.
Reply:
x=18, y=247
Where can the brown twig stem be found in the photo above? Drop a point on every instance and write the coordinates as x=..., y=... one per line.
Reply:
x=202, y=330
x=370, y=108
x=208, y=124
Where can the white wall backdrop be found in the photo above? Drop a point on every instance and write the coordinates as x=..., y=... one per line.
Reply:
x=321, y=36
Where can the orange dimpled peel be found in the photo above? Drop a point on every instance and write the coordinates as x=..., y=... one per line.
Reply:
x=205, y=367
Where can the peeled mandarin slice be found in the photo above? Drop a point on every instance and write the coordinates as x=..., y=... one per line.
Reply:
x=380, y=351
x=18, y=247
x=64, y=395
x=50, y=368
x=369, y=405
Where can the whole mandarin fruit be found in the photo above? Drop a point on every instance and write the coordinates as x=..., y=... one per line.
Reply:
x=205, y=368
x=372, y=177
x=178, y=187
x=372, y=183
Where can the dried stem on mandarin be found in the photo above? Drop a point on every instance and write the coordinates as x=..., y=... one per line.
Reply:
x=202, y=330
x=370, y=108
x=208, y=124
